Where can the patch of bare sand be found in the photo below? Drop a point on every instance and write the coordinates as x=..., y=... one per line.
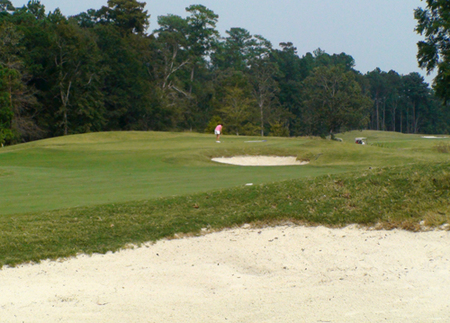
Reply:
x=434, y=137
x=260, y=160
x=281, y=274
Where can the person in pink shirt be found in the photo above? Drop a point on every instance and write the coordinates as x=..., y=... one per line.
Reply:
x=218, y=131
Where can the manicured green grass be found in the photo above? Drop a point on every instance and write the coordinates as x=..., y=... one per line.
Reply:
x=388, y=197
x=99, y=192
x=100, y=168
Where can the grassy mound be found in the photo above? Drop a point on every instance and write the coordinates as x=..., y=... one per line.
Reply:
x=387, y=197
x=138, y=187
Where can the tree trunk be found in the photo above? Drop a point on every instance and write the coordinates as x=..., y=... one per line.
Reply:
x=378, y=115
x=192, y=80
x=66, y=127
x=401, y=121
x=10, y=100
x=416, y=123
x=65, y=103
x=407, y=121
x=394, y=108
x=262, y=120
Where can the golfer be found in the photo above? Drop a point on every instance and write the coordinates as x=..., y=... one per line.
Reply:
x=218, y=131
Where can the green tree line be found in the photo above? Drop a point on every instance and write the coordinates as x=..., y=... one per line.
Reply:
x=102, y=70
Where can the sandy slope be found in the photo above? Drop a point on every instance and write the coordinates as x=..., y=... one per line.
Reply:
x=282, y=274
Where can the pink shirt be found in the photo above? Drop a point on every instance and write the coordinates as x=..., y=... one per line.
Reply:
x=219, y=128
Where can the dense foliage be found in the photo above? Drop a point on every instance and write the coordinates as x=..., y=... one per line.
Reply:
x=102, y=70
x=433, y=22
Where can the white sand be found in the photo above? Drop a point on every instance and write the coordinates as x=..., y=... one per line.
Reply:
x=260, y=160
x=282, y=274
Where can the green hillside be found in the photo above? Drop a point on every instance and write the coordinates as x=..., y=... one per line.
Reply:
x=100, y=191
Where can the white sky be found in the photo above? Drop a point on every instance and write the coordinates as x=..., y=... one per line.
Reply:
x=377, y=33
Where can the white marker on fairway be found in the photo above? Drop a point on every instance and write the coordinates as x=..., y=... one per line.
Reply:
x=249, y=184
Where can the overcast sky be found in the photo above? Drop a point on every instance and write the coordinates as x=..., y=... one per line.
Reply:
x=377, y=33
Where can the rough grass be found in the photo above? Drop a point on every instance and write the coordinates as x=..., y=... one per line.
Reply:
x=443, y=148
x=407, y=197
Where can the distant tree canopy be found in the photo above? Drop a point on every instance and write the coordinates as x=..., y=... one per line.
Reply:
x=102, y=70
x=334, y=101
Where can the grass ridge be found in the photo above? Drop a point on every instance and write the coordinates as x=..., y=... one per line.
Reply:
x=406, y=197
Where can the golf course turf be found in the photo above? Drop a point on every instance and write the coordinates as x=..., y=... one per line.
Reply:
x=99, y=192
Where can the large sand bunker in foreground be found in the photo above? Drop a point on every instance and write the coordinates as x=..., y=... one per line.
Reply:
x=260, y=160
x=282, y=274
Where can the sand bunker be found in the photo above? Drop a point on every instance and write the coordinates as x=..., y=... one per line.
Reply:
x=260, y=160
x=282, y=274
x=433, y=137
